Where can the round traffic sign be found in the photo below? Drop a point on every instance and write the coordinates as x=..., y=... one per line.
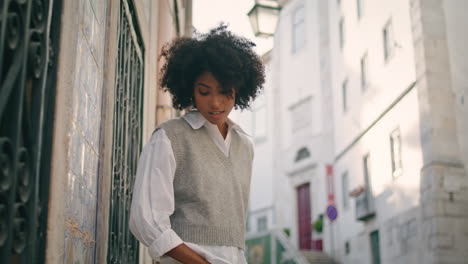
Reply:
x=332, y=212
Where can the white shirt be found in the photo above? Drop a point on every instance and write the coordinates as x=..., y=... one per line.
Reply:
x=153, y=195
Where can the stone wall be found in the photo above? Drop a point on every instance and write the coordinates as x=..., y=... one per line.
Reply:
x=456, y=24
x=444, y=193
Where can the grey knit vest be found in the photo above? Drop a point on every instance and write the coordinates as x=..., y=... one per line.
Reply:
x=211, y=190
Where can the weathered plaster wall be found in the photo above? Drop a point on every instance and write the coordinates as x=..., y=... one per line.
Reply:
x=84, y=144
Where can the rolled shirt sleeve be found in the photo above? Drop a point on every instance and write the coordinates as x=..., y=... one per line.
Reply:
x=153, y=197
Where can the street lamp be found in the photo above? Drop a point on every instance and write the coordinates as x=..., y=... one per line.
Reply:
x=264, y=17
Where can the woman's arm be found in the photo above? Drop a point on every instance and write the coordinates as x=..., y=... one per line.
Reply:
x=153, y=200
x=185, y=254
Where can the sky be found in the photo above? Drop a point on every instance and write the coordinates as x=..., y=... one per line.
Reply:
x=208, y=13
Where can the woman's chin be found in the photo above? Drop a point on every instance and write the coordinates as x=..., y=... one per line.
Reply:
x=217, y=121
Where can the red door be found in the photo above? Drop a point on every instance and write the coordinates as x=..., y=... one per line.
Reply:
x=304, y=216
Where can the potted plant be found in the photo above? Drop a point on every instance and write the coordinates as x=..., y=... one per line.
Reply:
x=318, y=224
x=317, y=242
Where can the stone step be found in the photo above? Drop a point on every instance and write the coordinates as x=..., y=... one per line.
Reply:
x=318, y=257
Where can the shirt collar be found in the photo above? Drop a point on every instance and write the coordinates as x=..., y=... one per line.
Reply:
x=196, y=120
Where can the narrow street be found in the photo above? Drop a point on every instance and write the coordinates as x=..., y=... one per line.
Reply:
x=359, y=133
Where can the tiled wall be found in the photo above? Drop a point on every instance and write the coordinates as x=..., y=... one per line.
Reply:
x=84, y=136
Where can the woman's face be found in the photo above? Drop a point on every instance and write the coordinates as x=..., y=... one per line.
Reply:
x=210, y=101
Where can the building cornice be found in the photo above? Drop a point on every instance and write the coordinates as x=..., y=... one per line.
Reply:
x=390, y=107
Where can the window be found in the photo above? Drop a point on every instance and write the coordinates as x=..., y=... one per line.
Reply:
x=388, y=40
x=395, y=148
x=366, y=169
x=298, y=29
x=347, y=248
x=364, y=72
x=262, y=224
x=341, y=32
x=360, y=8
x=344, y=92
x=302, y=153
x=345, y=189
x=301, y=114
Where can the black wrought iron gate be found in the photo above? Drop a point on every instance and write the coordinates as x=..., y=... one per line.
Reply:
x=29, y=37
x=127, y=134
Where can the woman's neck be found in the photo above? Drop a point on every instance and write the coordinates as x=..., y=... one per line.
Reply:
x=223, y=128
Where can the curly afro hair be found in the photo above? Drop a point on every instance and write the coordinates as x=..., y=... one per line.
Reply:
x=228, y=57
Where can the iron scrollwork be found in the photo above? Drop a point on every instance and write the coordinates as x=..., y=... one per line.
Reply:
x=27, y=88
x=127, y=134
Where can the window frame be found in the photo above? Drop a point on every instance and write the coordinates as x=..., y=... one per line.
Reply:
x=359, y=9
x=396, y=165
x=341, y=32
x=364, y=65
x=262, y=224
x=345, y=189
x=298, y=24
x=366, y=169
x=344, y=95
x=347, y=247
x=296, y=110
x=388, y=38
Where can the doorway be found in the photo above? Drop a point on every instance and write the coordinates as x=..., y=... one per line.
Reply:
x=304, y=217
x=375, y=247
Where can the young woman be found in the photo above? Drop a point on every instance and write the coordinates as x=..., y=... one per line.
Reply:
x=193, y=178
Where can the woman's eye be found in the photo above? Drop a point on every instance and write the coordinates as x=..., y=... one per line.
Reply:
x=203, y=93
x=228, y=95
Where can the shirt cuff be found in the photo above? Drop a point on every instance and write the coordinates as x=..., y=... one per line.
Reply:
x=167, y=241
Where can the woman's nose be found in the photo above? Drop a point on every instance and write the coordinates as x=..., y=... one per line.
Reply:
x=217, y=101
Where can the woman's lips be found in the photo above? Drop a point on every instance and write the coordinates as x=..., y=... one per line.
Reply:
x=217, y=114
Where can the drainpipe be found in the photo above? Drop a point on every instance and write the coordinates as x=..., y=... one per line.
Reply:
x=188, y=18
x=176, y=18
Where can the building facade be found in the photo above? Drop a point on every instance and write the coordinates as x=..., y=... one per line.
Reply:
x=85, y=72
x=292, y=137
x=399, y=151
x=369, y=116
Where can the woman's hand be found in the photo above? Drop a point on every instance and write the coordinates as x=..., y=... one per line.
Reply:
x=185, y=254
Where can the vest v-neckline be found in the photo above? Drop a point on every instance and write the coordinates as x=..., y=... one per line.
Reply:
x=214, y=148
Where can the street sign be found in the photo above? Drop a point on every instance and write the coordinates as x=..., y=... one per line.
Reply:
x=330, y=185
x=332, y=212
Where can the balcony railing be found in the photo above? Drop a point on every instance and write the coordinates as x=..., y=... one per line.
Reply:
x=365, y=208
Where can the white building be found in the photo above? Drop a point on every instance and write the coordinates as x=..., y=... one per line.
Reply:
x=291, y=133
x=377, y=90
